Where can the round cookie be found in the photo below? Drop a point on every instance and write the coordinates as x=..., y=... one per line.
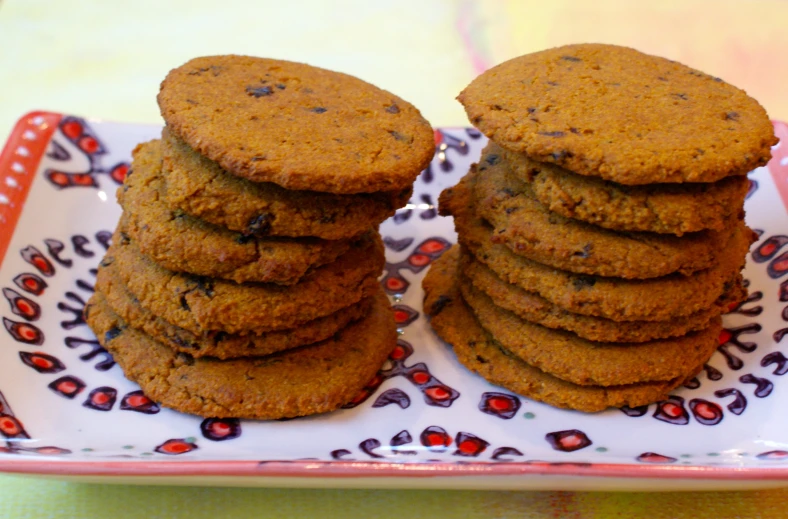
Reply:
x=619, y=114
x=588, y=363
x=663, y=208
x=532, y=307
x=181, y=243
x=202, y=304
x=655, y=299
x=219, y=344
x=302, y=127
x=306, y=381
x=200, y=188
x=526, y=226
x=478, y=351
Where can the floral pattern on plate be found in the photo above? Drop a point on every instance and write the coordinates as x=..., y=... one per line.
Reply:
x=62, y=396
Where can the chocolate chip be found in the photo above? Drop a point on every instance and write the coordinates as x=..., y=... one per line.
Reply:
x=571, y=58
x=258, y=158
x=574, y=130
x=683, y=97
x=510, y=210
x=586, y=252
x=219, y=337
x=439, y=305
x=507, y=191
x=124, y=239
x=112, y=333
x=531, y=110
x=662, y=78
x=497, y=107
x=318, y=110
x=184, y=303
x=281, y=86
x=182, y=342
x=552, y=134
x=243, y=239
x=205, y=285
x=552, y=83
x=259, y=91
x=107, y=261
x=392, y=109
x=732, y=116
x=260, y=224
x=581, y=282
x=307, y=90
x=480, y=359
x=192, y=102
x=398, y=136
x=492, y=159
x=561, y=155
x=199, y=71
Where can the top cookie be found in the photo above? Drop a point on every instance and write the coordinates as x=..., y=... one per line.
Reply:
x=619, y=114
x=299, y=126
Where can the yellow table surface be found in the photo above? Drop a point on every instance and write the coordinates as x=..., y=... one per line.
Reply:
x=105, y=59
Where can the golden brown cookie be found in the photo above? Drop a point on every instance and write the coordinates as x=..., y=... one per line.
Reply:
x=219, y=344
x=663, y=208
x=201, y=304
x=302, y=127
x=310, y=380
x=532, y=307
x=200, y=188
x=478, y=351
x=619, y=114
x=181, y=243
x=529, y=229
x=656, y=299
x=590, y=363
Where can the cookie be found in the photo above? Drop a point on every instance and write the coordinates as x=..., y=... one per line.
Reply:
x=201, y=304
x=529, y=229
x=302, y=127
x=663, y=208
x=532, y=307
x=200, y=188
x=479, y=352
x=583, y=362
x=656, y=299
x=310, y=380
x=181, y=243
x=616, y=113
x=219, y=344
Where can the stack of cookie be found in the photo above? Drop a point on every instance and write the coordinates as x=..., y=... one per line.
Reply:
x=242, y=277
x=601, y=233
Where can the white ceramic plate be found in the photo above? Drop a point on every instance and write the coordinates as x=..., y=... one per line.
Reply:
x=67, y=411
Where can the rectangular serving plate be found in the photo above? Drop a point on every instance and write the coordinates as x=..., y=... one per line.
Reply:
x=429, y=423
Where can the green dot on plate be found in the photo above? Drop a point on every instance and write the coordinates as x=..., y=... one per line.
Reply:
x=529, y=415
x=190, y=439
x=128, y=446
x=686, y=455
x=601, y=449
x=87, y=449
x=147, y=454
x=713, y=454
